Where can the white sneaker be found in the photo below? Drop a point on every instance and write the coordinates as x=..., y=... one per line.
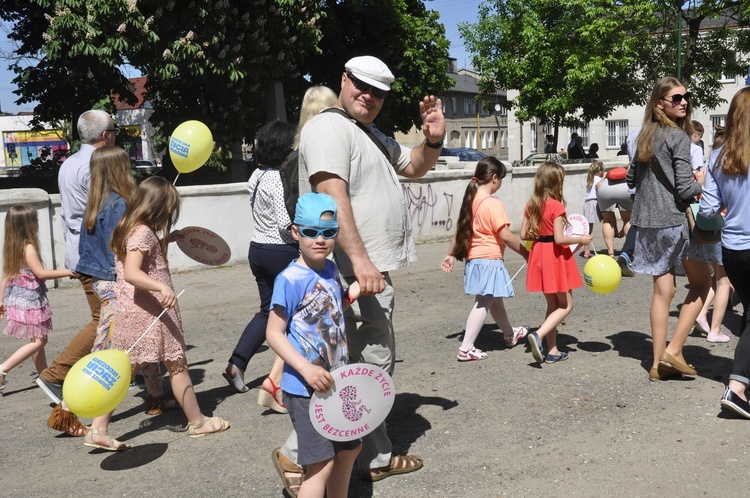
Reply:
x=519, y=333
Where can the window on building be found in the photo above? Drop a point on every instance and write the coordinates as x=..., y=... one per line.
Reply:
x=617, y=133
x=454, y=106
x=533, y=137
x=583, y=131
x=729, y=78
x=466, y=107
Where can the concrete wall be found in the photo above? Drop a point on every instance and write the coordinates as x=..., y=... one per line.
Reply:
x=433, y=203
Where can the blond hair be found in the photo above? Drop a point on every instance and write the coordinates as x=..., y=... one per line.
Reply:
x=735, y=153
x=21, y=229
x=156, y=204
x=594, y=168
x=315, y=100
x=548, y=184
x=110, y=172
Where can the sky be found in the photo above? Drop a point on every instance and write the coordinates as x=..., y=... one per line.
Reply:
x=451, y=12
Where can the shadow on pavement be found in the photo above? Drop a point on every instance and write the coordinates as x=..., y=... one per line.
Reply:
x=405, y=426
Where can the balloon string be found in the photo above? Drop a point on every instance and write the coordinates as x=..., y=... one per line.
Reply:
x=152, y=324
x=175, y=179
x=514, y=276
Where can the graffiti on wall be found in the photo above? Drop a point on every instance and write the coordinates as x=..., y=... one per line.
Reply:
x=427, y=207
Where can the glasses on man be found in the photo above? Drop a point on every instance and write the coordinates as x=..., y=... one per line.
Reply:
x=114, y=131
x=366, y=87
x=314, y=233
x=677, y=98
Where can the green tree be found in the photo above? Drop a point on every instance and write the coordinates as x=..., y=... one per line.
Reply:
x=715, y=42
x=577, y=60
x=209, y=60
x=404, y=34
x=213, y=60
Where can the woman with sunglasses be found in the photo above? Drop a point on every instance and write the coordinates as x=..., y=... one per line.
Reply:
x=662, y=244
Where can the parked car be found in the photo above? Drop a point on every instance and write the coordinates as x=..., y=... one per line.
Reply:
x=463, y=153
x=146, y=166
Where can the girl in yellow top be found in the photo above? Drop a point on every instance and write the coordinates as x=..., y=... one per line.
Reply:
x=482, y=234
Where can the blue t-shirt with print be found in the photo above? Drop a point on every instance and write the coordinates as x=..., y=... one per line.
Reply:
x=315, y=320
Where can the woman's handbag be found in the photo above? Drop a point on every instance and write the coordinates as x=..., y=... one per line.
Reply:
x=702, y=231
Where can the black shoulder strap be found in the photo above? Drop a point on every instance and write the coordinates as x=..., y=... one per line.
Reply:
x=380, y=145
x=656, y=169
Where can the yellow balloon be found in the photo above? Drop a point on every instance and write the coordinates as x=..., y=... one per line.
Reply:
x=527, y=244
x=97, y=383
x=190, y=146
x=602, y=274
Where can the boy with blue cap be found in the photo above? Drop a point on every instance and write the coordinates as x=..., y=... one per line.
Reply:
x=306, y=329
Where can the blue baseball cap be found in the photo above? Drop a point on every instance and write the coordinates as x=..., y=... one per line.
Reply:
x=310, y=209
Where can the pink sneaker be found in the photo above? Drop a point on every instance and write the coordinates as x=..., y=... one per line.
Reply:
x=519, y=333
x=717, y=337
x=701, y=325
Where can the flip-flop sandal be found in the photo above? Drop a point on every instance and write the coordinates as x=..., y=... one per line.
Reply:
x=291, y=483
x=400, y=464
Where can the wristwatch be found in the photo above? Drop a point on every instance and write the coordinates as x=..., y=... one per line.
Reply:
x=431, y=145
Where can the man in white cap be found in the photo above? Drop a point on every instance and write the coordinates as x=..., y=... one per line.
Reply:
x=342, y=154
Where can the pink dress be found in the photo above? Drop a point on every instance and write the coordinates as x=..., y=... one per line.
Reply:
x=27, y=307
x=137, y=309
x=552, y=268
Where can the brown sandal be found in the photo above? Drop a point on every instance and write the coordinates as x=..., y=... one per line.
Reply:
x=156, y=405
x=65, y=421
x=400, y=464
x=284, y=466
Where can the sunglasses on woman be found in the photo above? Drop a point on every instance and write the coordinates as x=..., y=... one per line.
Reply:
x=366, y=87
x=677, y=98
x=314, y=233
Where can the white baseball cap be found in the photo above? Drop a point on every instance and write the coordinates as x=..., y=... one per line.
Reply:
x=371, y=70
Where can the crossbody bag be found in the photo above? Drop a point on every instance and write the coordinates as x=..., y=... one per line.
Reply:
x=698, y=235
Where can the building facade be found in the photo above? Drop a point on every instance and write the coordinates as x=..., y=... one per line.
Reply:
x=470, y=122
